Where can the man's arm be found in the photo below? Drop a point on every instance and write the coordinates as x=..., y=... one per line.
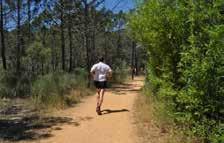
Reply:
x=109, y=73
x=92, y=71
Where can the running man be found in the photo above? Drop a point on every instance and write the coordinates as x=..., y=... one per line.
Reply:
x=100, y=72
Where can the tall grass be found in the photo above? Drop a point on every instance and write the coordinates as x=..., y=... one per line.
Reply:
x=120, y=73
x=53, y=90
x=59, y=90
x=12, y=85
x=161, y=112
x=4, y=89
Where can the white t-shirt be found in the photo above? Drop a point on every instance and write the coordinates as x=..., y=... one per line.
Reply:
x=100, y=71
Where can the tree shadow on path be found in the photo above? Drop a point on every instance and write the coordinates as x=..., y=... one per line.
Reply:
x=15, y=126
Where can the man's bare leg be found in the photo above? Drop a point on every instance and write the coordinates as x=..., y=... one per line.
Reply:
x=102, y=96
x=98, y=100
x=98, y=97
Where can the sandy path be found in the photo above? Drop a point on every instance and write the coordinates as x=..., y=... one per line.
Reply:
x=114, y=126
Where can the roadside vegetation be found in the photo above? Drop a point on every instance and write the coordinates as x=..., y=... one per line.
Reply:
x=184, y=42
x=47, y=48
x=155, y=121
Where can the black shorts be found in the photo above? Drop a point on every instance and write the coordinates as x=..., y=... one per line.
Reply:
x=100, y=84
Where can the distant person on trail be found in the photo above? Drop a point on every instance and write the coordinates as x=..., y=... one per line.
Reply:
x=100, y=73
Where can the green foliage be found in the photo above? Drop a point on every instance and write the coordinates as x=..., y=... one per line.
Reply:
x=11, y=85
x=4, y=89
x=19, y=84
x=38, y=53
x=56, y=90
x=120, y=73
x=51, y=90
x=81, y=76
x=36, y=57
x=185, y=45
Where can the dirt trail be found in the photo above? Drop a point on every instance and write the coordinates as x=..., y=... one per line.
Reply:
x=116, y=125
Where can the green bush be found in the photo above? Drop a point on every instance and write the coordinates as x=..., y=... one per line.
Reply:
x=81, y=77
x=4, y=89
x=11, y=85
x=51, y=89
x=185, y=44
x=120, y=73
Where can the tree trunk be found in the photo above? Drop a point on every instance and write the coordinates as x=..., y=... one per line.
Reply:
x=87, y=42
x=18, y=39
x=93, y=47
x=44, y=32
x=29, y=27
x=53, y=51
x=70, y=44
x=136, y=60
x=105, y=47
x=62, y=35
x=94, y=37
x=2, y=36
x=118, y=44
x=29, y=19
x=132, y=60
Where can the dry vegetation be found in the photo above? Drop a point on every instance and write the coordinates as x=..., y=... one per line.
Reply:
x=153, y=124
x=24, y=119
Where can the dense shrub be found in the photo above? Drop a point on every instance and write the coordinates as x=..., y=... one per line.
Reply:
x=11, y=85
x=57, y=90
x=120, y=73
x=185, y=45
x=51, y=89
